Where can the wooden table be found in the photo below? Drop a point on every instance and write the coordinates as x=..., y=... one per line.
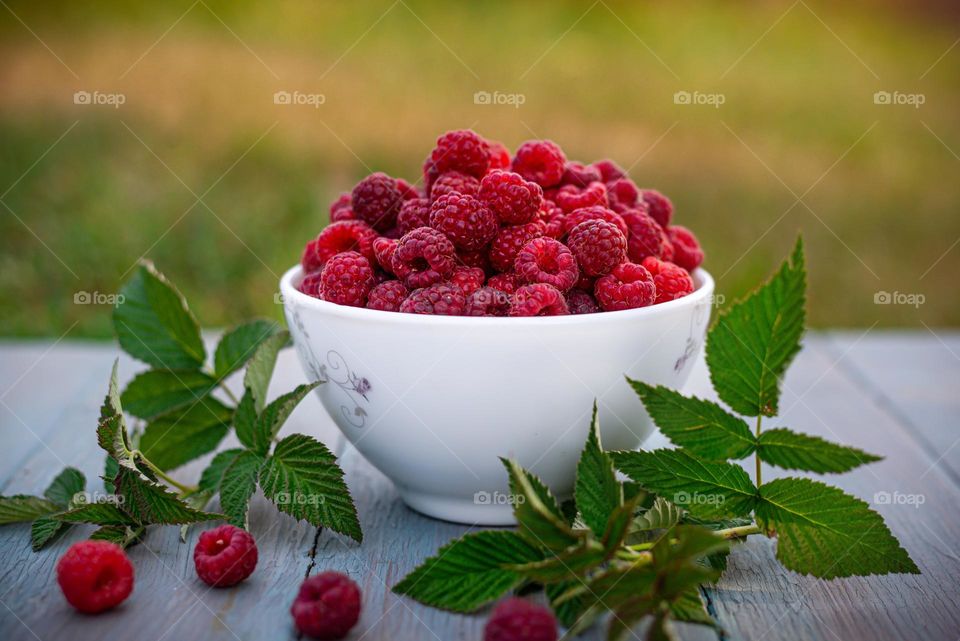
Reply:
x=895, y=394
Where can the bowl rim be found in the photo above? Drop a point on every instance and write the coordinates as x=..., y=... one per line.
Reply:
x=290, y=295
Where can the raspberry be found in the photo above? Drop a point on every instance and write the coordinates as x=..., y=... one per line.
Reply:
x=686, y=248
x=387, y=296
x=623, y=194
x=430, y=173
x=570, y=198
x=514, y=200
x=442, y=299
x=376, y=201
x=474, y=258
x=342, y=203
x=454, y=182
x=383, y=250
x=464, y=219
x=344, y=213
x=423, y=257
x=549, y=209
x=346, y=235
x=414, y=213
x=225, y=556
x=346, y=279
x=517, y=619
x=310, y=285
x=660, y=206
x=628, y=286
x=95, y=576
x=609, y=170
x=468, y=279
x=327, y=606
x=499, y=155
x=407, y=191
x=488, y=301
x=509, y=241
x=581, y=302
x=646, y=236
x=506, y=282
x=579, y=175
x=672, y=282
x=541, y=161
x=461, y=150
x=595, y=212
x=598, y=246
x=557, y=226
x=538, y=299
x=544, y=260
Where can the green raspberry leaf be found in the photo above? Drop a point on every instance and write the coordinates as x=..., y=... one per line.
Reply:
x=238, y=484
x=261, y=365
x=752, y=343
x=45, y=530
x=158, y=391
x=824, y=532
x=571, y=612
x=153, y=323
x=20, y=507
x=597, y=491
x=660, y=516
x=689, y=608
x=245, y=421
x=65, y=487
x=793, y=451
x=148, y=502
x=538, y=515
x=96, y=513
x=303, y=479
x=571, y=563
x=210, y=477
x=469, y=572
x=119, y=534
x=701, y=427
x=274, y=415
x=180, y=436
x=238, y=345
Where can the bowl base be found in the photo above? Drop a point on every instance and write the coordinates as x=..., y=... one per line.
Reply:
x=476, y=510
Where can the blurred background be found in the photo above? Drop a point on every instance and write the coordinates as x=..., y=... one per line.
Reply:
x=135, y=129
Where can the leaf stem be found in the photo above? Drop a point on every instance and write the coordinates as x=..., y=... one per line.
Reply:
x=738, y=532
x=132, y=535
x=756, y=455
x=185, y=489
x=226, y=390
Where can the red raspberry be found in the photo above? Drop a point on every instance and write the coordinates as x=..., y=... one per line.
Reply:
x=609, y=170
x=549, y=209
x=387, y=296
x=686, y=248
x=660, y=206
x=514, y=200
x=310, y=285
x=579, y=175
x=454, y=182
x=342, y=203
x=475, y=258
x=225, y=556
x=509, y=241
x=344, y=213
x=672, y=282
x=499, y=155
x=430, y=173
x=461, y=150
x=343, y=236
x=646, y=236
x=506, y=282
x=517, y=619
x=585, y=282
x=488, y=301
x=538, y=299
x=464, y=219
x=468, y=279
x=595, y=212
x=557, y=226
x=95, y=576
x=423, y=257
x=581, y=302
x=376, y=201
x=442, y=299
x=626, y=287
x=407, y=191
x=570, y=198
x=623, y=194
x=414, y=213
x=327, y=606
x=541, y=161
x=598, y=246
x=544, y=260
x=383, y=250
x=346, y=279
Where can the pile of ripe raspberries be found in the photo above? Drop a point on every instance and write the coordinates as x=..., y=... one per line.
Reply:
x=491, y=235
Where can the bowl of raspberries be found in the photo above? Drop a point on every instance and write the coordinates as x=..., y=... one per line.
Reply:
x=478, y=313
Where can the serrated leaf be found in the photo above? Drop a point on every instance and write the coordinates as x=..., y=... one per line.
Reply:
x=180, y=436
x=65, y=486
x=96, y=513
x=123, y=536
x=827, y=533
x=704, y=488
x=260, y=367
x=20, y=507
x=303, y=479
x=44, y=531
x=153, y=323
x=597, y=491
x=111, y=404
x=700, y=426
x=238, y=345
x=661, y=515
x=238, y=484
x=618, y=526
x=149, y=502
x=572, y=562
x=793, y=451
x=537, y=512
x=159, y=391
x=274, y=415
x=245, y=420
x=110, y=469
x=571, y=612
x=752, y=343
x=467, y=572
x=211, y=476
x=689, y=608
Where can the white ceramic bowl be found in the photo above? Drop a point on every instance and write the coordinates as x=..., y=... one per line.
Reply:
x=434, y=401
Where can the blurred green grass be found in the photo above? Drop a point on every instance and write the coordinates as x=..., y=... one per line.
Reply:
x=798, y=81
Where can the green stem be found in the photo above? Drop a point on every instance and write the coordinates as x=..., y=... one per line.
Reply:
x=756, y=455
x=186, y=489
x=226, y=390
x=739, y=532
x=133, y=535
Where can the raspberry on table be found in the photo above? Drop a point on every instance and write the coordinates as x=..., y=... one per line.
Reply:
x=376, y=201
x=383, y=250
x=454, y=182
x=594, y=212
x=581, y=302
x=545, y=260
x=598, y=246
x=499, y=155
x=442, y=299
x=660, y=206
x=387, y=296
x=488, y=301
x=512, y=198
x=466, y=221
x=225, y=556
x=342, y=236
x=424, y=256
x=310, y=285
x=628, y=286
x=671, y=281
x=468, y=279
x=541, y=161
x=538, y=299
x=509, y=240
x=517, y=619
x=461, y=150
x=327, y=606
x=579, y=175
x=413, y=213
x=95, y=576
x=646, y=236
x=506, y=282
x=686, y=247
x=623, y=194
x=347, y=279
x=609, y=170
x=570, y=198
